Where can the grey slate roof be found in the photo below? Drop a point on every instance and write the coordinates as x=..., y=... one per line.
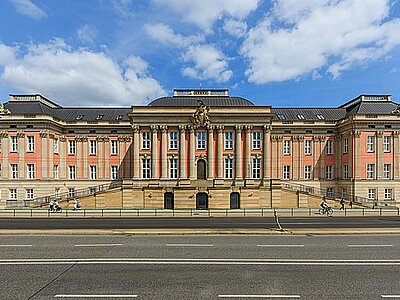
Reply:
x=208, y=101
x=310, y=114
x=67, y=113
x=373, y=107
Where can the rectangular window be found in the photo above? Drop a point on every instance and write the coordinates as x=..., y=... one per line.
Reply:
x=71, y=192
x=55, y=146
x=286, y=147
x=57, y=192
x=93, y=172
x=173, y=140
x=330, y=192
x=256, y=168
x=146, y=168
x=173, y=168
x=308, y=147
x=71, y=147
x=201, y=140
x=14, y=171
x=13, y=194
x=228, y=140
x=286, y=172
x=55, y=171
x=345, y=169
x=30, y=171
x=371, y=143
x=329, y=172
x=387, y=174
x=13, y=143
x=371, y=194
x=114, y=172
x=370, y=171
x=30, y=147
x=329, y=147
x=72, y=172
x=114, y=147
x=345, y=145
x=307, y=172
x=29, y=194
x=228, y=168
x=388, y=195
x=386, y=144
x=93, y=147
x=344, y=193
x=256, y=140
x=146, y=140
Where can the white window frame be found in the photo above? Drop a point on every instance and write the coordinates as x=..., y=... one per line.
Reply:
x=71, y=147
x=173, y=140
x=71, y=192
x=329, y=172
x=55, y=171
x=93, y=172
x=286, y=172
x=371, y=144
x=387, y=171
x=114, y=147
x=344, y=193
x=93, y=147
x=329, y=147
x=345, y=171
x=12, y=194
x=30, y=143
x=307, y=172
x=256, y=168
x=308, y=147
x=201, y=140
x=388, y=194
x=286, y=147
x=372, y=194
x=146, y=140
x=55, y=146
x=370, y=174
x=13, y=143
x=29, y=194
x=114, y=172
x=30, y=171
x=173, y=168
x=146, y=168
x=228, y=164
x=71, y=172
x=345, y=146
x=13, y=171
x=387, y=144
x=228, y=140
x=256, y=140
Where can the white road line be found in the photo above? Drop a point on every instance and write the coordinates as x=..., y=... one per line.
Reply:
x=390, y=296
x=280, y=245
x=258, y=296
x=370, y=245
x=97, y=245
x=189, y=245
x=15, y=245
x=95, y=296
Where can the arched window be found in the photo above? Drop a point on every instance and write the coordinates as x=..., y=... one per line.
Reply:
x=201, y=169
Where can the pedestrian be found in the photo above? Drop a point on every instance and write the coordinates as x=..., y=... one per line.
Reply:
x=51, y=204
x=351, y=204
x=341, y=204
x=75, y=204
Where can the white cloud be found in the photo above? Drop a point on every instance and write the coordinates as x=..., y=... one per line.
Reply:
x=204, y=13
x=332, y=34
x=87, y=34
x=208, y=63
x=76, y=77
x=235, y=27
x=28, y=8
x=165, y=35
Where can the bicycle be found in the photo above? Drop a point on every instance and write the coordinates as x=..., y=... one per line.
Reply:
x=328, y=211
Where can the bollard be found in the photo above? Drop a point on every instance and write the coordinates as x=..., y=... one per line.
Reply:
x=277, y=221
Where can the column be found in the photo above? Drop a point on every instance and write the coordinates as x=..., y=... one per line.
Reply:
x=274, y=156
x=350, y=155
x=322, y=146
x=301, y=157
x=21, y=155
x=266, y=153
x=395, y=141
x=337, y=152
x=248, y=166
x=182, y=152
x=192, y=153
x=295, y=157
x=79, y=173
x=238, y=152
x=154, y=152
x=5, y=150
x=100, y=157
x=357, y=155
x=44, y=155
x=85, y=157
x=63, y=157
x=316, y=158
x=220, y=152
x=379, y=152
x=107, y=168
x=210, y=152
x=164, y=152
x=280, y=154
x=136, y=148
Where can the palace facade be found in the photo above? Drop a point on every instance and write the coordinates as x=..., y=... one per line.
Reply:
x=200, y=149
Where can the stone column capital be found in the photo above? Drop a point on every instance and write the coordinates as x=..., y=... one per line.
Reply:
x=267, y=128
x=154, y=128
x=182, y=128
x=238, y=128
x=135, y=128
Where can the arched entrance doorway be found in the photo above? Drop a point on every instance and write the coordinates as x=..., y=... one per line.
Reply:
x=201, y=201
x=201, y=169
x=235, y=200
x=168, y=200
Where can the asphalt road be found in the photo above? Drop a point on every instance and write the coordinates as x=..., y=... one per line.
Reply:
x=199, y=267
x=199, y=222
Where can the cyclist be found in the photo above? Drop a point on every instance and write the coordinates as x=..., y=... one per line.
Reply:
x=324, y=205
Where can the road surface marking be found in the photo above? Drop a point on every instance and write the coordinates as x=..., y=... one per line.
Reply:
x=15, y=245
x=258, y=296
x=95, y=296
x=370, y=245
x=390, y=296
x=189, y=245
x=97, y=245
x=280, y=245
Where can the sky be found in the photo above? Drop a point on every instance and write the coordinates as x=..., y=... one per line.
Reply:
x=283, y=53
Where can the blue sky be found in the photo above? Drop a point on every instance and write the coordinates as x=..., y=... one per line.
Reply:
x=127, y=52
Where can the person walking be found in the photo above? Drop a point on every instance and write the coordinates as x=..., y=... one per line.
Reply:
x=341, y=204
x=51, y=205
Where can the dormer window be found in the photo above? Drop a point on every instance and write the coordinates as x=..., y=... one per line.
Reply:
x=119, y=117
x=300, y=117
x=99, y=117
x=79, y=117
x=320, y=117
x=281, y=117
